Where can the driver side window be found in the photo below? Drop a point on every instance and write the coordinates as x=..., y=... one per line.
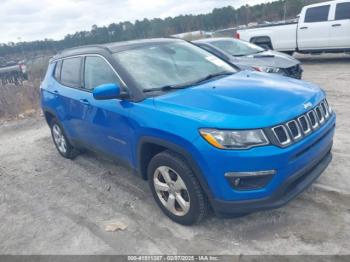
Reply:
x=98, y=72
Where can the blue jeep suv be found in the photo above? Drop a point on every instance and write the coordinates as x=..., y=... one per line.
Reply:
x=205, y=135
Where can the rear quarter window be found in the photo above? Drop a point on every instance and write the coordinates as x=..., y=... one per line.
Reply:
x=57, y=71
x=70, y=72
x=317, y=14
x=343, y=11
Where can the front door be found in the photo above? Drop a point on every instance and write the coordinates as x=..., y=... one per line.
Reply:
x=340, y=27
x=314, y=31
x=107, y=121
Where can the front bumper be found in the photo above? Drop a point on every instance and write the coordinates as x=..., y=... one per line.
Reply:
x=290, y=189
x=297, y=166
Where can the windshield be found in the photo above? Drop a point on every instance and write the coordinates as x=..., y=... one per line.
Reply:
x=237, y=47
x=170, y=64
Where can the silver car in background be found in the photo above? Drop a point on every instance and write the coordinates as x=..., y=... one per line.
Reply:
x=247, y=56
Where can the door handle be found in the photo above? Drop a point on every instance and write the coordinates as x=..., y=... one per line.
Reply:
x=304, y=27
x=55, y=91
x=335, y=25
x=85, y=101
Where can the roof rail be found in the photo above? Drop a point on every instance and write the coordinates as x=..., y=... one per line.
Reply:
x=70, y=51
x=84, y=46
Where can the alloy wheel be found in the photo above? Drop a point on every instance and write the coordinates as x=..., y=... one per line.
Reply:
x=59, y=138
x=171, y=190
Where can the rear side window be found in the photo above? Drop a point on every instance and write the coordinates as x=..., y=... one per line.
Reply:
x=317, y=14
x=98, y=72
x=342, y=11
x=70, y=72
x=57, y=73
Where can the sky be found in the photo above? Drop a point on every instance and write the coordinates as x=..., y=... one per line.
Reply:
x=28, y=20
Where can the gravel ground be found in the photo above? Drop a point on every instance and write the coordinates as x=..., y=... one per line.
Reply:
x=50, y=205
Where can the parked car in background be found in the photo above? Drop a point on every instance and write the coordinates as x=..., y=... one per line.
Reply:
x=202, y=133
x=227, y=32
x=323, y=27
x=13, y=73
x=247, y=55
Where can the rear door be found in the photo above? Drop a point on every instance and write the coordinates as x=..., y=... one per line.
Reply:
x=340, y=26
x=73, y=98
x=314, y=28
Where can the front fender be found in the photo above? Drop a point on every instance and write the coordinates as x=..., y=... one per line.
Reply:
x=178, y=145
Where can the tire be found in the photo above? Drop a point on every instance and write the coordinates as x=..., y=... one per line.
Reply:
x=186, y=190
x=62, y=144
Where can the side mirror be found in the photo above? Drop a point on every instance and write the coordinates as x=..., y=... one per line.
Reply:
x=108, y=91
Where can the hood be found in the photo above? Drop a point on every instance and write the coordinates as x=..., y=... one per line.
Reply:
x=244, y=100
x=267, y=58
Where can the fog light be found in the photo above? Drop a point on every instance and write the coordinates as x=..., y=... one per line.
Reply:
x=249, y=180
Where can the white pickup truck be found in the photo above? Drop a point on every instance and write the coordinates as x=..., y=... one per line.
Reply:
x=323, y=27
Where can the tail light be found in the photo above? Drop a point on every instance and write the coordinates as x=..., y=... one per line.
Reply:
x=237, y=35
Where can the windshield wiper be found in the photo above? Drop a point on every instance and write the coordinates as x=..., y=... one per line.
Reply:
x=164, y=88
x=211, y=76
x=185, y=85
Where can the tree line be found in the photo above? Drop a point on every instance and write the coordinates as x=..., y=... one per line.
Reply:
x=219, y=18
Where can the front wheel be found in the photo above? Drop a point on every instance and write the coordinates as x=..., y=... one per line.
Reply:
x=176, y=189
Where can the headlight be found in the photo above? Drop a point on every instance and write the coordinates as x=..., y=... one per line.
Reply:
x=267, y=69
x=234, y=139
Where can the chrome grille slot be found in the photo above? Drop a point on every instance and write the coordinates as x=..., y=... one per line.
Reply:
x=319, y=114
x=281, y=135
x=305, y=125
x=294, y=129
x=313, y=120
x=329, y=109
x=324, y=109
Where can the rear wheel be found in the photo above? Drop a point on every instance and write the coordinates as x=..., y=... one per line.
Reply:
x=176, y=189
x=61, y=142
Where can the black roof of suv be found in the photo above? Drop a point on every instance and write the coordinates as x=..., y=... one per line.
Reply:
x=110, y=47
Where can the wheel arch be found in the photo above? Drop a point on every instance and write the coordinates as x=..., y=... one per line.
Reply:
x=150, y=146
x=49, y=115
x=262, y=40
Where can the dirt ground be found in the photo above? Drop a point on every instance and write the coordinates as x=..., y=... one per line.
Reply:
x=18, y=101
x=50, y=205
